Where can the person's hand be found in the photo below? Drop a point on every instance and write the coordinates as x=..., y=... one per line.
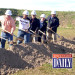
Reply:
x=51, y=28
x=26, y=30
x=11, y=33
x=35, y=31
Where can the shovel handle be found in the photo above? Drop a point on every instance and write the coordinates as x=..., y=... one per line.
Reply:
x=53, y=32
x=43, y=33
x=25, y=31
x=32, y=31
x=4, y=38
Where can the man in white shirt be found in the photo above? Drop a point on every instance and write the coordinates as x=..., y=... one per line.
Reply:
x=24, y=24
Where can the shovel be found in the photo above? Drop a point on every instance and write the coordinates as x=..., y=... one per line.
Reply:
x=53, y=32
x=38, y=35
x=17, y=38
x=61, y=37
x=42, y=33
x=11, y=42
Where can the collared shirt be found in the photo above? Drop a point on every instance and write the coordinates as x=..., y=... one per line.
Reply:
x=51, y=17
x=23, y=23
x=7, y=24
x=41, y=24
x=53, y=22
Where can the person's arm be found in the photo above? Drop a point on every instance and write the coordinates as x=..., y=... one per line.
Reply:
x=30, y=24
x=17, y=19
x=13, y=26
x=45, y=26
x=38, y=25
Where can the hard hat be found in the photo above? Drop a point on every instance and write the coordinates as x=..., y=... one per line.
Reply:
x=43, y=15
x=8, y=12
x=53, y=12
x=26, y=12
x=33, y=12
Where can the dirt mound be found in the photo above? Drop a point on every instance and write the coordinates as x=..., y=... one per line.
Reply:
x=9, y=60
x=31, y=55
x=23, y=56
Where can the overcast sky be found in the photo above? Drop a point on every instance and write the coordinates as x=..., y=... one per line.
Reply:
x=58, y=5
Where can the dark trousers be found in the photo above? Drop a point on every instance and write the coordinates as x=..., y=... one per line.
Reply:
x=42, y=37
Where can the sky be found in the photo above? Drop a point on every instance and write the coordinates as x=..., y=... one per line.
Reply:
x=46, y=5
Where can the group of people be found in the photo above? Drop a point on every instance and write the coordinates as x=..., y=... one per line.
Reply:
x=30, y=28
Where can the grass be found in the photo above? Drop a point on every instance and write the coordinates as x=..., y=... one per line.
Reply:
x=68, y=33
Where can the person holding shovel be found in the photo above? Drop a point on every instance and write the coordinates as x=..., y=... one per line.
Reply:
x=24, y=25
x=8, y=24
x=43, y=27
x=53, y=23
x=34, y=25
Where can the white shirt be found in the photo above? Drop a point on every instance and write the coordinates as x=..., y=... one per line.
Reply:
x=23, y=23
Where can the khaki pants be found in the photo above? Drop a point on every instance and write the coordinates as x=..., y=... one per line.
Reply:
x=54, y=37
x=33, y=38
x=51, y=36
